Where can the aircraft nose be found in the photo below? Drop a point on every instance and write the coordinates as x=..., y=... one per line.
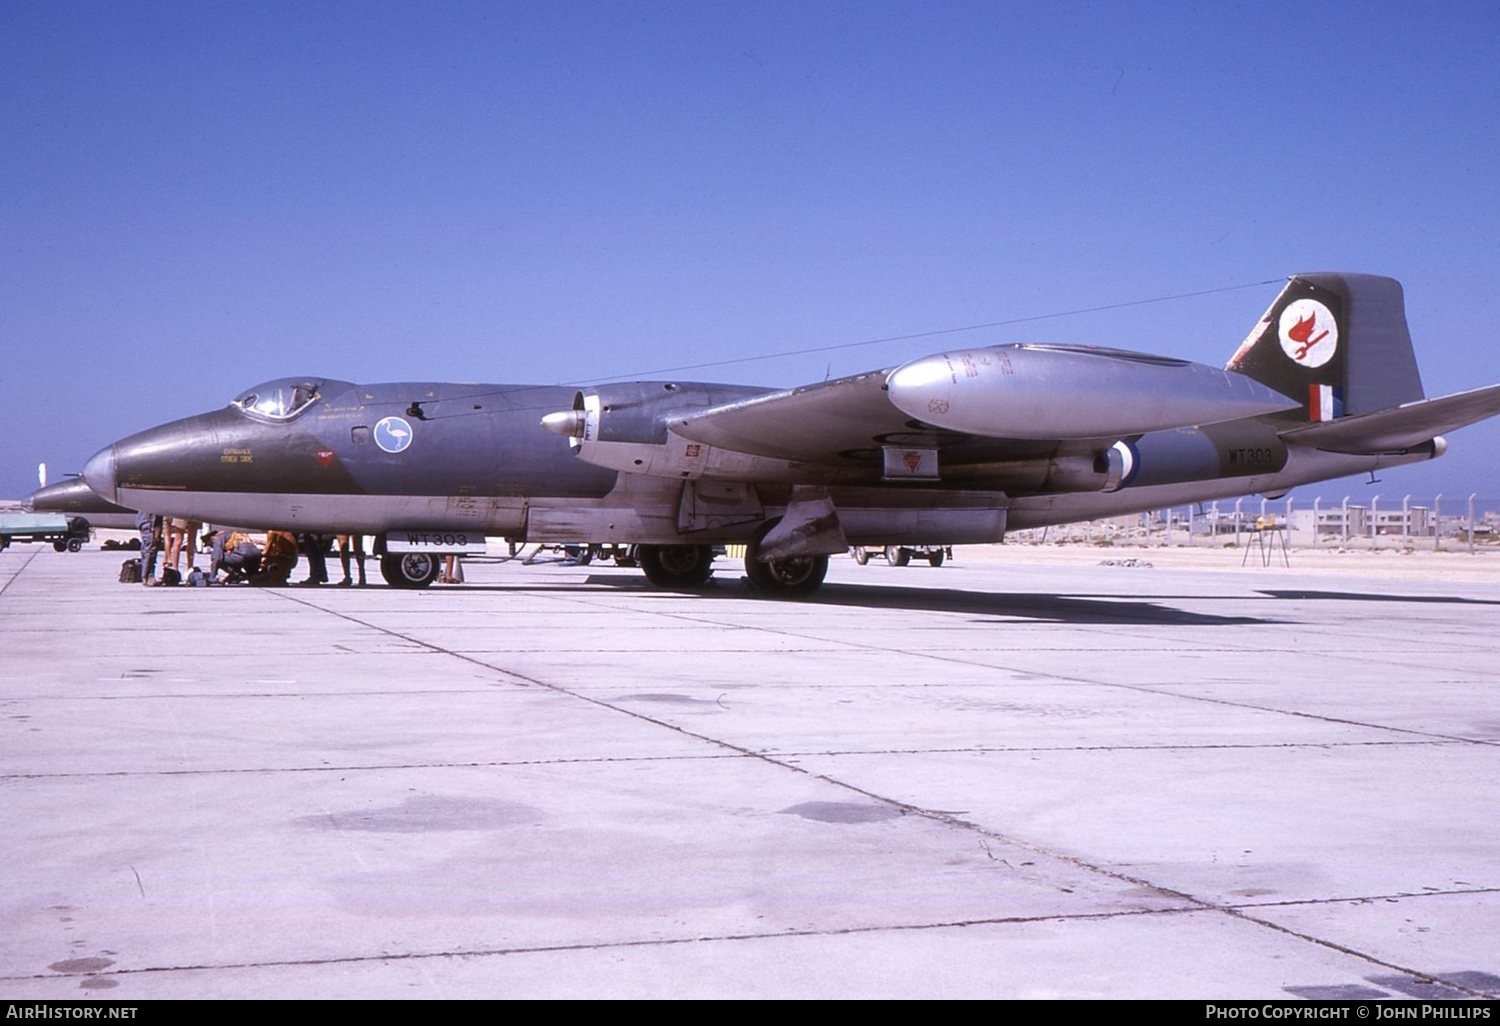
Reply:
x=100, y=473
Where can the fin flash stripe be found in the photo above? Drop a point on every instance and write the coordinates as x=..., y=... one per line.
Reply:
x=1324, y=402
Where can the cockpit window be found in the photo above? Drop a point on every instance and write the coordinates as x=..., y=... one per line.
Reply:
x=282, y=399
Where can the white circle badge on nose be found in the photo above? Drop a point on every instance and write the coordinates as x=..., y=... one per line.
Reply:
x=393, y=434
x=1309, y=334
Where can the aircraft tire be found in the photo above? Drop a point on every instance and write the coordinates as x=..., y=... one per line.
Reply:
x=409, y=569
x=897, y=556
x=676, y=566
x=795, y=577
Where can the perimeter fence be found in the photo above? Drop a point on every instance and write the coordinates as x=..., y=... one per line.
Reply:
x=1442, y=523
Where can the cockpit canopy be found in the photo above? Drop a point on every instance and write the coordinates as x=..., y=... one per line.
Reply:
x=285, y=398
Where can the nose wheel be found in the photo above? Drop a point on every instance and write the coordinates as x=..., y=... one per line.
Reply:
x=409, y=569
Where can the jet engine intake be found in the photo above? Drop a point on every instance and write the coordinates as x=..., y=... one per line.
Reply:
x=624, y=426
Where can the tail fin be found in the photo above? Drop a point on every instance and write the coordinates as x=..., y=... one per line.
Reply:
x=1337, y=343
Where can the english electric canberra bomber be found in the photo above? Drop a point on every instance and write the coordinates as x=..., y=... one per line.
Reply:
x=948, y=449
x=75, y=498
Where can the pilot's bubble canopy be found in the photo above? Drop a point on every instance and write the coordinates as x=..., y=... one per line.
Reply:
x=285, y=398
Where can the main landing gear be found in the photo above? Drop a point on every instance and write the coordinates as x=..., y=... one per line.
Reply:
x=676, y=566
x=792, y=577
x=688, y=567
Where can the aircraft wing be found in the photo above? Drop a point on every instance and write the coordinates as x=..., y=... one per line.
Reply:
x=813, y=423
x=1400, y=427
x=993, y=403
x=852, y=423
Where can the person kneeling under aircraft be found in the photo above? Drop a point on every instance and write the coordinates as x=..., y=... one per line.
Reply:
x=233, y=552
x=277, y=561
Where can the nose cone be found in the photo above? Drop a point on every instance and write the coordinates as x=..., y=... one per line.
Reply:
x=100, y=473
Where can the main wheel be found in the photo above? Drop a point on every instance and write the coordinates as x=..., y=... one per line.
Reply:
x=897, y=556
x=794, y=577
x=409, y=569
x=676, y=566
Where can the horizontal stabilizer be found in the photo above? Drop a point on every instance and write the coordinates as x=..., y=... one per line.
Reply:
x=1401, y=427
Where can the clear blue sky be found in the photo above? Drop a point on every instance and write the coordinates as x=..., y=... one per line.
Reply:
x=198, y=196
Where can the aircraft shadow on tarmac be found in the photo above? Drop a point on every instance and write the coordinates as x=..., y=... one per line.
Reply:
x=1034, y=607
x=1359, y=596
x=1009, y=606
x=1141, y=610
x=1148, y=610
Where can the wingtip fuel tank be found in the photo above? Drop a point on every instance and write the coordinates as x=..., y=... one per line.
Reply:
x=1033, y=391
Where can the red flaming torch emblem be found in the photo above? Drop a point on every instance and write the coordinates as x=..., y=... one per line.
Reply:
x=1308, y=332
x=1302, y=333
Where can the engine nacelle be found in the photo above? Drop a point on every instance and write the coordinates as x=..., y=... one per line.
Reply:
x=1194, y=454
x=624, y=426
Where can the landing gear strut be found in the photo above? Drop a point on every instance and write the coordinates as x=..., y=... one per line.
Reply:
x=792, y=577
